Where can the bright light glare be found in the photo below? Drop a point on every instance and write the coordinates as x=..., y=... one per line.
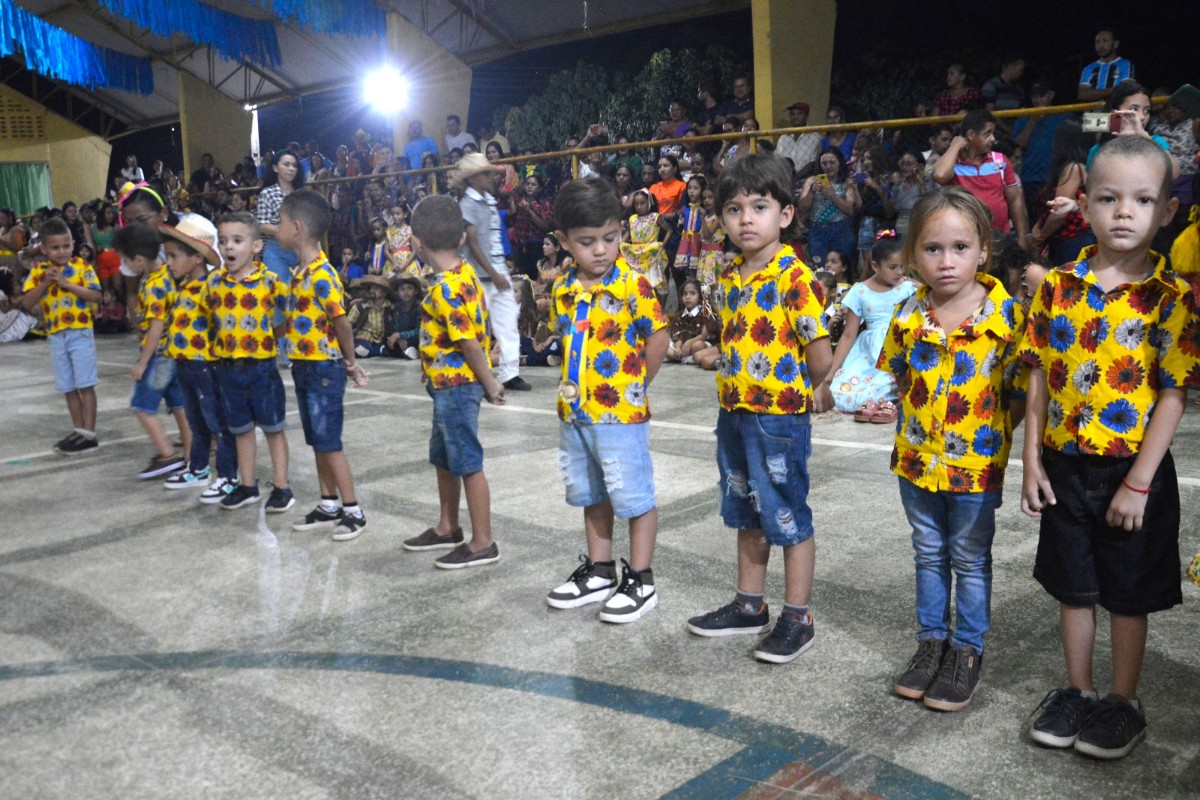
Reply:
x=386, y=89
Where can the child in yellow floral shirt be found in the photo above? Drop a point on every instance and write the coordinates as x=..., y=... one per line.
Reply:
x=774, y=350
x=1114, y=343
x=952, y=348
x=614, y=336
x=454, y=361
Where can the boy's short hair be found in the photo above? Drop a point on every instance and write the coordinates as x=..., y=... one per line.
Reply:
x=137, y=239
x=976, y=120
x=1122, y=147
x=939, y=200
x=759, y=173
x=242, y=218
x=586, y=203
x=438, y=222
x=55, y=226
x=309, y=209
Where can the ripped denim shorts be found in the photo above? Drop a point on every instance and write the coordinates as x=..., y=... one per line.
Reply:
x=763, y=461
x=607, y=462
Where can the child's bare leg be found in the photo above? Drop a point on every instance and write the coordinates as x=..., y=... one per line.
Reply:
x=75, y=409
x=449, y=495
x=643, y=533
x=598, y=527
x=1128, y=649
x=1078, y=630
x=185, y=430
x=753, y=553
x=87, y=399
x=479, y=506
x=325, y=476
x=154, y=430
x=335, y=476
x=277, y=445
x=246, y=452
x=798, y=563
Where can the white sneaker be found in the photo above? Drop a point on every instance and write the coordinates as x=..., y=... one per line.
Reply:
x=361, y=351
x=217, y=490
x=187, y=479
x=633, y=599
x=412, y=353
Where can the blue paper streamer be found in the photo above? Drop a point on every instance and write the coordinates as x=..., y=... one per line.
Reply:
x=53, y=52
x=348, y=17
x=231, y=36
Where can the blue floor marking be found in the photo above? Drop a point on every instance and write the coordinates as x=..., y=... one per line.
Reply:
x=768, y=747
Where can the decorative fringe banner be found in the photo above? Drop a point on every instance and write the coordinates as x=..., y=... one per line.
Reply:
x=349, y=17
x=57, y=54
x=233, y=37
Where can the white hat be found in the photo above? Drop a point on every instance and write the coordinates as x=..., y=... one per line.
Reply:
x=197, y=233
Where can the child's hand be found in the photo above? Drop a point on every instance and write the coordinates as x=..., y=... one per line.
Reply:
x=493, y=390
x=1060, y=207
x=822, y=398
x=50, y=276
x=1127, y=509
x=137, y=371
x=1036, y=492
x=357, y=374
x=393, y=340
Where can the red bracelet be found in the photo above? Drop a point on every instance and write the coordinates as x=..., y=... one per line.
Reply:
x=1125, y=483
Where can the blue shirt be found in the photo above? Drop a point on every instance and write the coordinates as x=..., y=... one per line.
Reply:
x=1101, y=75
x=1035, y=155
x=415, y=150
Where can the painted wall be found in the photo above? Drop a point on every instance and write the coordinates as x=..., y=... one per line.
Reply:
x=441, y=84
x=793, y=57
x=78, y=159
x=211, y=122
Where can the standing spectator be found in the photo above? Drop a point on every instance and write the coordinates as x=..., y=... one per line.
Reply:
x=456, y=137
x=281, y=181
x=839, y=140
x=832, y=201
x=308, y=165
x=1100, y=77
x=1004, y=92
x=707, y=123
x=957, y=96
x=533, y=217
x=1035, y=136
x=676, y=123
x=131, y=171
x=207, y=178
x=488, y=135
x=939, y=142
x=418, y=144
x=800, y=148
x=741, y=106
x=1181, y=132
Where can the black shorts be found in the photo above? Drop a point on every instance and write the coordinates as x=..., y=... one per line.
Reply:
x=1083, y=561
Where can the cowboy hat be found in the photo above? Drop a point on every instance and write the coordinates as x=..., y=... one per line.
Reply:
x=469, y=166
x=197, y=233
x=375, y=280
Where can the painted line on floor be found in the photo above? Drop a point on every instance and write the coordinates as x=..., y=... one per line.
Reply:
x=768, y=747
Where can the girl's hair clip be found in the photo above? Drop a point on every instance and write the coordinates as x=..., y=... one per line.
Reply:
x=886, y=233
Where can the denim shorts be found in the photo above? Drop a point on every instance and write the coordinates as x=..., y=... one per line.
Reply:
x=320, y=386
x=1082, y=561
x=763, y=461
x=454, y=441
x=159, y=382
x=73, y=354
x=251, y=394
x=607, y=462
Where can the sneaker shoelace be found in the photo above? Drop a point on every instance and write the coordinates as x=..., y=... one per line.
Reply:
x=631, y=581
x=1060, y=704
x=953, y=668
x=582, y=572
x=928, y=655
x=1117, y=717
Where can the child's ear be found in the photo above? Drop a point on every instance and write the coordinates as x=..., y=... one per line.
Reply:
x=1169, y=211
x=786, y=214
x=462, y=239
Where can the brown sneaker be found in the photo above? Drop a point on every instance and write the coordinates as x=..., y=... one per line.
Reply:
x=431, y=540
x=957, y=680
x=462, y=556
x=922, y=669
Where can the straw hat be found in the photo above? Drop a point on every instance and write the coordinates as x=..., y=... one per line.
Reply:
x=414, y=282
x=197, y=233
x=469, y=166
x=375, y=280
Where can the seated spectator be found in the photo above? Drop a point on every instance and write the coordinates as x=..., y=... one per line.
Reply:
x=207, y=178
x=509, y=180
x=349, y=267
x=911, y=137
x=1181, y=131
x=111, y=315
x=957, y=96
x=131, y=171
x=1061, y=230
x=940, y=137
x=373, y=320
x=13, y=238
x=740, y=107
x=540, y=346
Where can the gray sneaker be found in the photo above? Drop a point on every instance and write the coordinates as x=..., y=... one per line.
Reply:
x=432, y=540
x=922, y=669
x=461, y=557
x=957, y=680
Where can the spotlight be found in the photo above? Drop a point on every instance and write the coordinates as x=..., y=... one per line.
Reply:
x=386, y=89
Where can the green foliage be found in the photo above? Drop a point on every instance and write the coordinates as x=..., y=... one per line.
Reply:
x=627, y=104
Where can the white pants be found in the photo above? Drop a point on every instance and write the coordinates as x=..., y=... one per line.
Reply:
x=502, y=308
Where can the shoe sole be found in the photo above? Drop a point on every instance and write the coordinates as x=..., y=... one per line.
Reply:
x=713, y=632
x=421, y=548
x=1050, y=740
x=198, y=484
x=909, y=693
x=479, y=562
x=246, y=502
x=280, y=509
x=787, y=658
x=1094, y=751
x=599, y=596
x=212, y=501
x=948, y=705
x=146, y=475
x=632, y=616
x=345, y=537
x=315, y=526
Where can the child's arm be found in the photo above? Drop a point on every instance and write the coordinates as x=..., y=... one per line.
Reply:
x=154, y=335
x=1129, y=504
x=88, y=295
x=656, y=349
x=345, y=340
x=1036, y=492
x=845, y=344
x=477, y=361
x=819, y=357
x=32, y=297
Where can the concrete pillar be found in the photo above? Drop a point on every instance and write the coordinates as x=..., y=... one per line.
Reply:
x=211, y=122
x=793, y=57
x=439, y=83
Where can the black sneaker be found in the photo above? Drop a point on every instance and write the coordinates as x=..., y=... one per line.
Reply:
x=957, y=680
x=922, y=669
x=1066, y=712
x=280, y=500
x=1113, y=730
x=85, y=443
x=461, y=557
x=349, y=527
x=240, y=496
x=730, y=620
x=591, y=582
x=432, y=540
x=517, y=384
x=161, y=465
x=790, y=637
x=75, y=443
x=318, y=518
x=633, y=599
x=64, y=445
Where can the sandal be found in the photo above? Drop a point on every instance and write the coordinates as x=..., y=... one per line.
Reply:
x=867, y=412
x=886, y=414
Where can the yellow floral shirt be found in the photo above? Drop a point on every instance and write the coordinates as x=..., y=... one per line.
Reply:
x=954, y=430
x=244, y=312
x=765, y=326
x=191, y=330
x=62, y=309
x=605, y=353
x=452, y=311
x=156, y=297
x=1107, y=356
x=315, y=299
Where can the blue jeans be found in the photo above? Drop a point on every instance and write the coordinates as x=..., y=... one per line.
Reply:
x=823, y=238
x=282, y=263
x=198, y=381
x=159, y=382
x=952, y=533
x=320, y=386
x=763, y=461
x=607, y=462
x=251, y=393
x=454, y=441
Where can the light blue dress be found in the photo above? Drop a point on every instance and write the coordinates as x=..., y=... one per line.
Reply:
x=858, y=380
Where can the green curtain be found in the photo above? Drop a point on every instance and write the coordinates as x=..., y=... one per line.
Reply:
x=24, y=187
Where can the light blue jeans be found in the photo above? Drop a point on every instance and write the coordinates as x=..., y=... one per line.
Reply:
x=952, y=537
